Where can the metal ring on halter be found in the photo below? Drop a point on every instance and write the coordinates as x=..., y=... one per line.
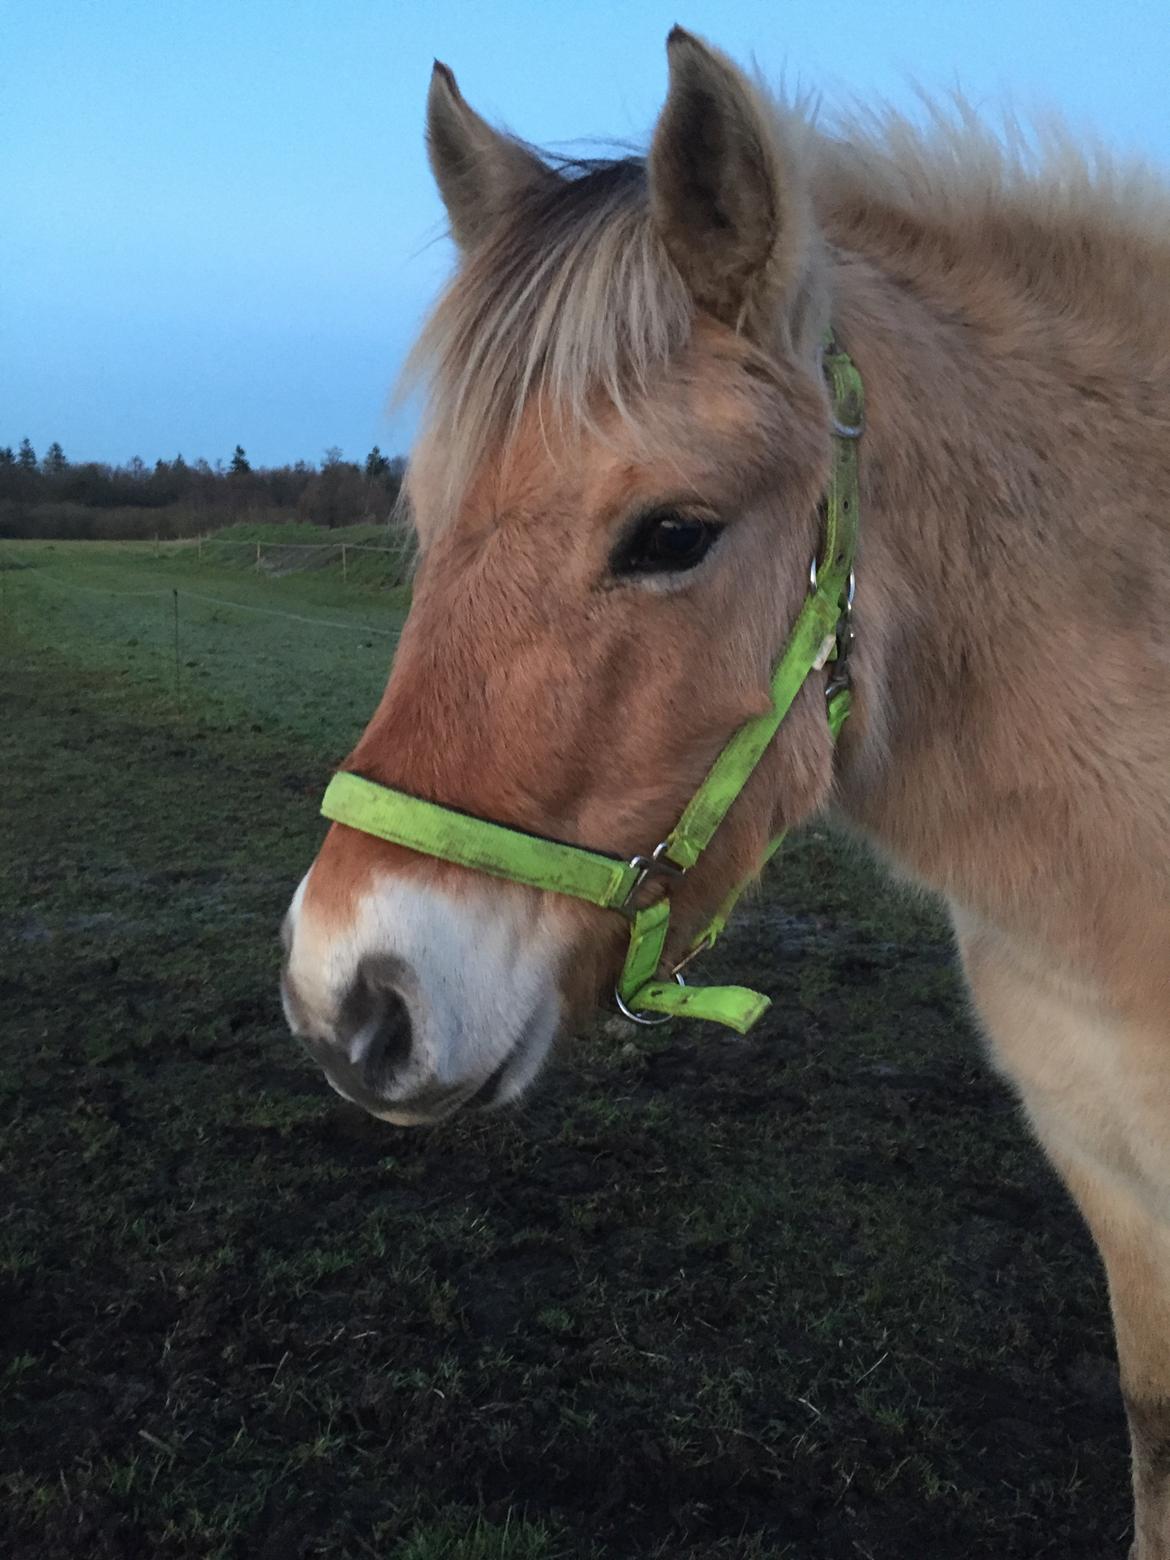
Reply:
x=847, y=430
x=641, y=1018
x=850, y=589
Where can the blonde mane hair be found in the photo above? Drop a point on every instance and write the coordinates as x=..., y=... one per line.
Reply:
x=573, y=299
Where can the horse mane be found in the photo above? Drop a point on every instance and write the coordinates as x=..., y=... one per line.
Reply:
x=574, y=301
x=956, y=167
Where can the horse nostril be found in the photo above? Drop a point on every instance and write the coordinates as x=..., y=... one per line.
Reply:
x=375, y=1025
x=388, y=1048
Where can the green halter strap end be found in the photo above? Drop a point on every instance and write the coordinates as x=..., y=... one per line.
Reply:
x=735, y=1007
x=819, y=636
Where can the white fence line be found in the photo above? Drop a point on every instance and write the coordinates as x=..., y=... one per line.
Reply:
x=215, y=601
x=232, y=541
x=403, y=552
x=90, y=590
x=293, y=617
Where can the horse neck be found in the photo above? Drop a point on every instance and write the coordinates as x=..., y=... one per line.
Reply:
x=1002, y=432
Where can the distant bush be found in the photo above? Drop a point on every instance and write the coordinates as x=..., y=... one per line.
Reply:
x=80, y=523
x=52, y=498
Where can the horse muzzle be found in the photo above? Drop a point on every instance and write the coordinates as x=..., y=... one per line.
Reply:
x=423, y=1002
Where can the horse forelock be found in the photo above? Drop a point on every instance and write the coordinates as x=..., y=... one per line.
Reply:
x=573, y=303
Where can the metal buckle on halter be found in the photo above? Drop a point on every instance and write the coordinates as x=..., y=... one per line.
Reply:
x=843, y=633
x=643, y=1018
x=840, y=679
x=654, y=865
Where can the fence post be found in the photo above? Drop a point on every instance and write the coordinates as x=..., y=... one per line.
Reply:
x=344, y=564
x=199, y=553
x=257, y=557
x=156, y=544
x=175, y=596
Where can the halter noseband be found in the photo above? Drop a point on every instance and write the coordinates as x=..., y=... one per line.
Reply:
x=820, y=634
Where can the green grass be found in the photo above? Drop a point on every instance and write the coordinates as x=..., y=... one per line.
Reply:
x=474, y=1539
x=809, y=1296
x=299, y=653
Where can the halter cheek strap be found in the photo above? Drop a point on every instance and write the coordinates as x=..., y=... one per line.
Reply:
x=821, y=634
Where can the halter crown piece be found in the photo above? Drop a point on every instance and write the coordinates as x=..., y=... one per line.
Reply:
x=820, y=635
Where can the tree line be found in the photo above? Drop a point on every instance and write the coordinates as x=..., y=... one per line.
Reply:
x=52, y=496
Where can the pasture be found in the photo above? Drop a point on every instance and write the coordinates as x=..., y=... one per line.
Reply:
x=809, y=1296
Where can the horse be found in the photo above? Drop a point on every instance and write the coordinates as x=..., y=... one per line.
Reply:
x=617, y=487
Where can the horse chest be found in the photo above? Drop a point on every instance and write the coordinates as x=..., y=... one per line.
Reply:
x=1096, y=1083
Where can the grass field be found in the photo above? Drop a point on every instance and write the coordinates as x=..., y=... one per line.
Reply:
x=300, y=653
x=810, y=1296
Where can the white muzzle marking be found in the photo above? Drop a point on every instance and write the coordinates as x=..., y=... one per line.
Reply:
x=478, y=975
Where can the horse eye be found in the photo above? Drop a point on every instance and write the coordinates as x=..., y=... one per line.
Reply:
x=666, y=543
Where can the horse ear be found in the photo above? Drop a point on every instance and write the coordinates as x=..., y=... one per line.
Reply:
x=725, y=193
x=477, y=168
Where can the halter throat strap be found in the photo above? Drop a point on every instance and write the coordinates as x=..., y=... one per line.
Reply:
x=820, y=635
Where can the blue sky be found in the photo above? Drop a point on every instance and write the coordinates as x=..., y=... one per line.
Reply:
x=219, y=226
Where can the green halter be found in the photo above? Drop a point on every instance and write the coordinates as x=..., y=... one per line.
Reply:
x=820, y=633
